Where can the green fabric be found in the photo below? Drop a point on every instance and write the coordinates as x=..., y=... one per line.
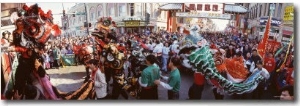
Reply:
x=175, y=80
x=150, y=74
x=68, y=60
x=9, y=87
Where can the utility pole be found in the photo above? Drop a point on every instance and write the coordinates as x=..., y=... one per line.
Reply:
x=87, y=29
x=87, y=20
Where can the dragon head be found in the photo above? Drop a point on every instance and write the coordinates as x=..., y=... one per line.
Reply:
x=105, y=28
x=33, y=26
x=190, y=43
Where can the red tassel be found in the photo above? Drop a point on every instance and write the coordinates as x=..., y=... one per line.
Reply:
x=49, y=13
x=25, y=7
x=55, y=30
x=41, y=12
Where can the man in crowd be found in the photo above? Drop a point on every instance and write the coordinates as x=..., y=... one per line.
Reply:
x=148, y=76
x=174, y=81
x=287, y=93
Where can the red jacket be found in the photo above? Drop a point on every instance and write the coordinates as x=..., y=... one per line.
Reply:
x=199, y=79
x=269, y=64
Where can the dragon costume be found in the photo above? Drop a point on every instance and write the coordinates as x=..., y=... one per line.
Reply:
x=197, y=55
x=33, y=29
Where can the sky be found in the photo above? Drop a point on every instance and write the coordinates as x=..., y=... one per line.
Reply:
x=56, y=9
x=221, y=24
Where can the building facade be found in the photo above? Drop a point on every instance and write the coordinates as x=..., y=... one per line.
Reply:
x=258, y=14
x=129, y=17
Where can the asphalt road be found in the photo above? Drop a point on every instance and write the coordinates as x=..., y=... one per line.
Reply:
x=70, y=78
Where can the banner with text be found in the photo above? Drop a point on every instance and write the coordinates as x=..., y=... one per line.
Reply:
x=68, y=59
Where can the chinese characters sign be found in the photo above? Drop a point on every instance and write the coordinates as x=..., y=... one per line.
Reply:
x=288, y=13
x=206, y=15
x=132, y=23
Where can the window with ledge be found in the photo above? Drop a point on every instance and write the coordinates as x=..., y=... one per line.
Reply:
x=207, y=7
x=215, y=8
x=122, y=9
x=99, y=10
x=131, y=9
x=111, y=10
x=92, y=13
x=199, y=7
x=192, y=6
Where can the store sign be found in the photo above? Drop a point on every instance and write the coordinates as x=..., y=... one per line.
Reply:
x=205, y=15
x=120, y=24
x=132, y=23
x=288, y=13
x=274, y=21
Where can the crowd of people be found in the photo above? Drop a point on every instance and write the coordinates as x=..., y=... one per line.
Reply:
x=165, y=60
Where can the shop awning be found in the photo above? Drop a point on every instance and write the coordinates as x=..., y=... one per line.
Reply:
x=235, y=9
x=171, y=6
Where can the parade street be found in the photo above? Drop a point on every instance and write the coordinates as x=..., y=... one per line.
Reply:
x=147, y=51
x=70, y=78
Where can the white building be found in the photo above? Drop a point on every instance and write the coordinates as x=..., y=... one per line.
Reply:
x=119, y=12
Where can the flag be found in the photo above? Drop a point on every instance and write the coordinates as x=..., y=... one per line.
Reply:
x=287, y=53
x=261, y=48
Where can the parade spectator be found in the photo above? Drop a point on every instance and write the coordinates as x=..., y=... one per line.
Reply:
x=98, y=78
x=269, y=63
x=165, y=57
x=158, y=52
x=56, y=57
x=259, y=91
x=174, y=81
x=287, y=93
x=63, y=51
x=246, y=49
x=5, y=38
x=173, y=48
x=230, y=52
x=46, y=57
x=148, y=76
x=248, y=60
x=280, y=61
x=195, y=91
x=255, y=57
x=69, y=50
